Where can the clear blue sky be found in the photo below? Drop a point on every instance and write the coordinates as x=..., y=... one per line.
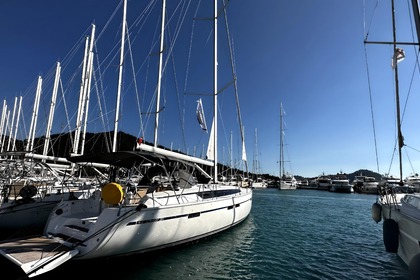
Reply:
x=309, y=55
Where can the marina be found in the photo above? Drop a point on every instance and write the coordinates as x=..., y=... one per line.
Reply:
x=157, y=183
x=275, y=242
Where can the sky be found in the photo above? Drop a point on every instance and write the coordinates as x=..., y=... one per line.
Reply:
x=338, y=93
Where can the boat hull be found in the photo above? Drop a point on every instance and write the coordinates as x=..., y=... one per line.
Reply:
x=409, y=232
x=131, y=230
x=29, y=217
x=285, y=186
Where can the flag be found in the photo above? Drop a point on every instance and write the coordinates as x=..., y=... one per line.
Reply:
x=200, y=115
x=399, y=55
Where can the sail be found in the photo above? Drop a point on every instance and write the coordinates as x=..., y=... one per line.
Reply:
x=200, y=115
x=210, y=147
x=243, y=151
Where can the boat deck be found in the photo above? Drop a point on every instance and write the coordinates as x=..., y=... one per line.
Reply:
x=31, y=249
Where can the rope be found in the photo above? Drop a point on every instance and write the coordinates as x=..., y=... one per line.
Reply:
x=371, y=110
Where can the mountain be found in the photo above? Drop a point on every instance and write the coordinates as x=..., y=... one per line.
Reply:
x=101, y=142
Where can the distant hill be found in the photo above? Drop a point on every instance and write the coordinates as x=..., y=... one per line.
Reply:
x=102, y=142
x=364, y=172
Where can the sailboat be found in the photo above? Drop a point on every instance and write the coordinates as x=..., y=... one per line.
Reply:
x=400, y=212
x=169, y=206
x=258, y=181
x=287, y=180
x=32, y=184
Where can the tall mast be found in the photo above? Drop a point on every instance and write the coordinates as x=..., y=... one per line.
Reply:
x=162, y=32
x=255, y=165
x=397, y=96
x=52, y=109
x=231, y=154
x=117, y=108
x=87, y=90
x=12, y=125
x=7, y=127
x=81, y=99
x=281, y=167
x=215, y=91
x=2, y=123
x=32, y=128
x=17, y=123
x=416, y=15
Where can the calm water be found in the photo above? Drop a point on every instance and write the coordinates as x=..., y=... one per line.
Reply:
x=298, y=234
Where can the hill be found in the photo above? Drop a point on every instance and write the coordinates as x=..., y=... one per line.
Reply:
x=61, y=146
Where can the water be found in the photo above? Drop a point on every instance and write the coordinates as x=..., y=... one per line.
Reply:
x=297, y=234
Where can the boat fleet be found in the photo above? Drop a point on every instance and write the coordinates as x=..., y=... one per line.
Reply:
x=119, y=202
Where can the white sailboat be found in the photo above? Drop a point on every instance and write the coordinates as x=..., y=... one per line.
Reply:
x=167, y=207
x=32, y=184
x=400, y=212
x=258, y=181
x=287, y=180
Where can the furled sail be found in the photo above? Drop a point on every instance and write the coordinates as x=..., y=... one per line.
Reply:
x=210, y=147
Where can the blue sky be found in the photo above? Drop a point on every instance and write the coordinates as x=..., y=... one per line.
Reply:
x=309, y=55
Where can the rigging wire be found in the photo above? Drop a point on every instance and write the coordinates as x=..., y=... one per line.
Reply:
x=370, y=90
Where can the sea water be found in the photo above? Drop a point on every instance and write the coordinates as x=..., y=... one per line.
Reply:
x=293, y=234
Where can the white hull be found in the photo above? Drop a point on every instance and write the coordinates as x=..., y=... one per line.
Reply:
x=88, y=228
x=287, y=186
x=259, y=185
x=342, y=186
x=164, y=222
x=29, y=216
x=409, y=233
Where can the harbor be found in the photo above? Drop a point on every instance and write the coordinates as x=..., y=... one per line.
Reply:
x=302, y=234
x=130, y=155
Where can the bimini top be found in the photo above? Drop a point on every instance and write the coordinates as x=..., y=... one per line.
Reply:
x=130, y=158
x=119, y=159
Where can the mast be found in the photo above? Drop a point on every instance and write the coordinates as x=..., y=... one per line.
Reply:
x=2, y=123
x=162, y=33
x=32, y=129
x=255, y=165
x=416, y=15
x=231, y=154
x=87, y=90
x=52, y=109
x=7, y=127
x=281, y=142
x=12, y=125
x=117, y=107
x=215, y=92
x=17, y=124
x=397, y=95
x=81, y=100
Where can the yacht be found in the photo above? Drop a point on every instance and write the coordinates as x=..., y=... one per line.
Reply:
x=323, y=182
x=365, y=184
x=341, y=183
